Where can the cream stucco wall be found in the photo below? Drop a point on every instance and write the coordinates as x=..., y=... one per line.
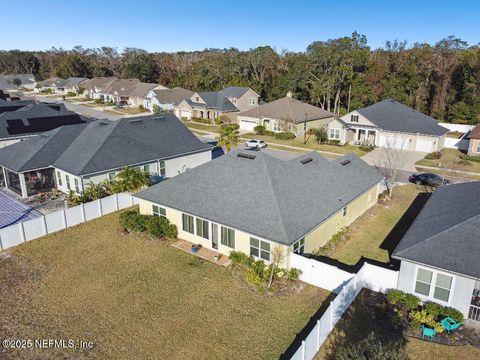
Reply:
x=472, y=147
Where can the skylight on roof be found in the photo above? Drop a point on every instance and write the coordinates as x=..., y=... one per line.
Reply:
x=306, y=160
x=345, y=162
x=246, y=156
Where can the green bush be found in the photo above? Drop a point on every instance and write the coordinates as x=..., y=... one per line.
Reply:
x=222, y=119
x=99, y=101
x=475, y=158
x=284, y=136
x=159, y=226
x=394, y=296
x=132, y=221
x=70, y=94
x=367, y=148
x=371, y=349
x=293, y=274
x=321, y=135
x=259, y=129
x=334, y=142
x=434, y=309
x=269, y=133
x=239, y=257
x=433, y=155
x=453, y=313
x=424, y=318
x=410, y=301
x=201, y=120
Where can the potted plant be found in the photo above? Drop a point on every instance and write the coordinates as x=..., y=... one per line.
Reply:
x=195, y=248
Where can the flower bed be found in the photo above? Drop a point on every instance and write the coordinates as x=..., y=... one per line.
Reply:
x=401, y=312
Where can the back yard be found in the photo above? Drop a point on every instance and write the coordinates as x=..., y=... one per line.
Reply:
x=134, y=297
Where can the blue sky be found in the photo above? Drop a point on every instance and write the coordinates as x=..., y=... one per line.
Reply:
x=194, y=25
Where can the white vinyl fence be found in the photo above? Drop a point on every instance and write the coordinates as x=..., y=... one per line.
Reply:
x=461, y=143
x=370, y=277
x=17, y=234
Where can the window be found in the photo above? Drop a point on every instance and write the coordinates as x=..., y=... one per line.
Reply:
x=77, y=187
x=228, y=237
x=252, y=101
x=59, y=178
x=161, y=166
x=299, y=246
x=260, y=249
x=424, y=279
x=443, y=285
x=276, y=125
x=478, y=146
x=354, y=118
x=335, y=134
x=159, y=211
x=111, y=176
x=197, y=98
x=146, y=168
x=187, y=223
x=202, y=228
x=345, y=210
x=67, y=180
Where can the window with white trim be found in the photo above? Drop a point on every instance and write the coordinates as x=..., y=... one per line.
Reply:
x=228, y=237
x=59, y=178
x=202, y=228
x=77, y=187
x=299, y=246
x=159, y=211
x=252, y=101
x=276, y=125
x=162, y=168
x=443, y=284
x=354, y=118
x=334, y=134
x=433, y=284
x=146, y=168
x=67, y=180
x=260, y=249
x=478, y=146
x=424, y=281
x=187, y=223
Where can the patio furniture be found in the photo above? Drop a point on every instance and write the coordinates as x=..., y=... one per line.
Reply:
x=449, y=324
x=427, y=332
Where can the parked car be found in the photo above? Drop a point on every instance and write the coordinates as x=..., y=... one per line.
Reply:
x=253, y=144
x=428, y=179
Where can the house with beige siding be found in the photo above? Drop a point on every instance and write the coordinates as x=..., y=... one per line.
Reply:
x=70, y=157
x=285, y=115
x=474, y=141
x=389, y=123
x=253, y=202
x=212, y=104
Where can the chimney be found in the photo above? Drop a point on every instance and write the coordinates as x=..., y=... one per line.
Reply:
x=289, y=94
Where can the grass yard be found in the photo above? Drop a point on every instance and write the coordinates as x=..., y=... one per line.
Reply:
x=377, y=232
x=134, y=297
x=356, y=325
x=451, y=159
x=204, y=127
x=310, y=145
x=131, y=111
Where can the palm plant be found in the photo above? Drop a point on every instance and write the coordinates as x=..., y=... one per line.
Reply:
x=228, y=136
x=131, y=179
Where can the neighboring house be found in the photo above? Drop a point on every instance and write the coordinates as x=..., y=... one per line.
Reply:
x=253, y=202
x=8, y=96
x=389, y=123
x=61, y=86
x=27, y=81
x=440, y=252
x=285, y=115
x=70, y=157
x=12, y=105
x=94, y=88
x=212, y=104
x=474, y=141
x=32, y=119
x=166, y=99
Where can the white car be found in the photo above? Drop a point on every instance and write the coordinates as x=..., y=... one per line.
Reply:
x=255, y=144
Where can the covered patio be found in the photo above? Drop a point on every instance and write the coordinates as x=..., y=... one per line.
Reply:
x=362, y=135
x=28, y=183
x=204, y=253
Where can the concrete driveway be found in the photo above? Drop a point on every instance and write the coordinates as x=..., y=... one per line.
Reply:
x=404, y=159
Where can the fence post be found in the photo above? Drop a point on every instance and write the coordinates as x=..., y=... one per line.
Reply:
x=303, y=349
x=331, y=316
x=100, y=206
x=64, y=219
x=131, y=199
x=82, y=211
x=116, y=201
x=44, y=225
x=1, y=245
x=318, y=335
x=22, y=231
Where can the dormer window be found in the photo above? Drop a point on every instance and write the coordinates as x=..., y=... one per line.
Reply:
x=197, y=98
x=252, y=101
x=354, y=118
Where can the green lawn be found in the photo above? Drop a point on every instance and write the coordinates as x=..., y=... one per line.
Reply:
x=356, y=325
x=310, y=145
x=451, y=159
x=138, y=298
x=378, y=231
x=204, y=127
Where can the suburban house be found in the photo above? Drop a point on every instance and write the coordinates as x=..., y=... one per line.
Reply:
x=253, y=202
x=130, y=92
x=9, y=82
x=212, y=104
x=12, y=105
x=6, y=96
x=285, y=115
x=70, y=157
x=440, y=252
x=62, y=86
x=474, y=141
x=33, y=119
x=389, y=123
x=166, y=99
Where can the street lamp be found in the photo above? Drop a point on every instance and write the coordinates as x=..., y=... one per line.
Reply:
x=305, y=130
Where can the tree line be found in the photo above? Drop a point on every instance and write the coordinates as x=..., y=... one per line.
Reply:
x=339, y=75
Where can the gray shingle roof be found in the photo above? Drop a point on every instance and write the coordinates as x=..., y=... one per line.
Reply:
x=172, y=96
x=445, y=234
x=287, y=109
x=6, y=81
x=268, y=197
x=390, y=115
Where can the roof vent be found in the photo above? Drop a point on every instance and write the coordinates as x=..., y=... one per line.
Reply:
x=103, y=122
x=246, y=156
x=306, y=161
x=345, y=162
x=136, y=121
x=159, y=118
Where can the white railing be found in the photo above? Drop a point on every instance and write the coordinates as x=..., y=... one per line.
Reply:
x=17, y=234
x=474, y=313
x=370, y=277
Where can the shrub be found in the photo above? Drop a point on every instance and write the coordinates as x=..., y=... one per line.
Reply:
x=201, y=120
x=132, y=221
x=424, y=318
x=394, y=296
x=372, y=349
x=222, y=119
x=367, y=148
x=99, y=101
x=434, y=309
x=433, y=155
x=269, y=133
x=410, y=301
x=334, y=142
x=184, y=118
x=285, y=136
x=141, y=107
x=293, y=274
x=453, y=313
x=70, y=94
x=239, y=257
x=321, y=135
x=259, y=129
x=475, y=158
x=158, y=227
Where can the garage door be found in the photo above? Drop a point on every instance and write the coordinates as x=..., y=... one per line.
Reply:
x=425, y=145
x=247, y=124
x=185, y=113
x=394, y=142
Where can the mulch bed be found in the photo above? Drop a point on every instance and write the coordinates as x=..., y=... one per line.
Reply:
x=386, y=321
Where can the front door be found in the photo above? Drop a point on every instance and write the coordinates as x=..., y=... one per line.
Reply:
x=214, y=236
